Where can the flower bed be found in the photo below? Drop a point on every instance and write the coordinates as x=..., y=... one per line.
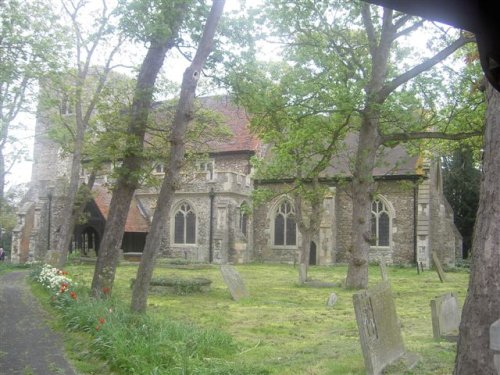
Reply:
x=61, y=286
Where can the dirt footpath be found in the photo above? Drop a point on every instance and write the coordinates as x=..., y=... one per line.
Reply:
x=27, y=345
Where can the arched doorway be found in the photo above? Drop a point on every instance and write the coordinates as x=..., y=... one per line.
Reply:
x=312, y=254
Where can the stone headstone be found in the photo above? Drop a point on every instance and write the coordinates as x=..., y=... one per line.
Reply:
x=495, y=344
x=383, y=270
x=332, y=300
x=446, y=314
x=439, y=267
x=379, y=330
x=234, y=282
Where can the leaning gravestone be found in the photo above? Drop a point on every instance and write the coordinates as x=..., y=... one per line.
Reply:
x=379, y=331
x=439, y=267
x=383, y=270
x=445, y=317
x=234, y=282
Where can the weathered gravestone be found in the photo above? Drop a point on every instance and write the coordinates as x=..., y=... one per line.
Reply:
x=379, y=331
x=332, y=300
x=383, y=270
x=445, y=317
x=495, y=344
x=439, y=267
x=234, y=282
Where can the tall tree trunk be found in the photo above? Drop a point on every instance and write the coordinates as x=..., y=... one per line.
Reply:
x=305, y=249
x=127, y=182
x=362, y=191
x=482, y=304
x=67, y=225
x=183, y=116
x=2, y=179
x=308, y=227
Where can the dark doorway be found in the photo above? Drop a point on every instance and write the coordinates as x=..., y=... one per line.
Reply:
x=88, y=242
x=312, y=254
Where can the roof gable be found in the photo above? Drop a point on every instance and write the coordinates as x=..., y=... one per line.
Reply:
x=136, y=220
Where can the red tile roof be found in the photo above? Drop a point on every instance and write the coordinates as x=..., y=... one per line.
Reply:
x=238, y=122
x=136, y=220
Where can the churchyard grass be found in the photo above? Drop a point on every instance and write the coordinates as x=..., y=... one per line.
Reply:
x=283, y=328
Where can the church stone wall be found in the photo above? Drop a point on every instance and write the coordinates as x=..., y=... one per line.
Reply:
x=400, y=196
x=446, y=241
x=263, y=221
x=230, y=186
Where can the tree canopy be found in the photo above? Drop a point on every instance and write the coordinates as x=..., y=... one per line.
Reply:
x=356, y=65
x=32, y=45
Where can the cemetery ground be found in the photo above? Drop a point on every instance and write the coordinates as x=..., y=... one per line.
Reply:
x=282, y=328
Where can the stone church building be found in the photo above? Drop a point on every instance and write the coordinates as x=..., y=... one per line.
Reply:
x=213, y=219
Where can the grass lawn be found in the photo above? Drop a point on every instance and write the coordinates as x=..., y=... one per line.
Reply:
x=287, y=329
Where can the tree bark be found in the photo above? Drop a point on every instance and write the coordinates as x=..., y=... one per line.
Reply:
x=82, y=118
x=376, y=93
x=305, y=250
x=307, y=230
x=362, y=193
x=65, y=232
x=482, y=304
x=127, y=182
x=183, y=116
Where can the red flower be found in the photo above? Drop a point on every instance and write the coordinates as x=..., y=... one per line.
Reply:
x=106, y=290
x=73, y=295
x=64, y=287
x=102, y=320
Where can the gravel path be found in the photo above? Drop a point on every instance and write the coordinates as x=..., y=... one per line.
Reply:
x=27, y=345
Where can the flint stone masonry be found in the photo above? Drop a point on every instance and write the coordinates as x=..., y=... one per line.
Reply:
x=445, y=316
x=379, y=331
x=234, y=282
x=219, y=184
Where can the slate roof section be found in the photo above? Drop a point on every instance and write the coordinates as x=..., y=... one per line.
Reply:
x=136, y=220
x=395, y=161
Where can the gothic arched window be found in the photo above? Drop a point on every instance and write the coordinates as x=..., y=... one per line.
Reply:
x=185, y=225
x=285, y=229
x=244, y=218
x=381, y=223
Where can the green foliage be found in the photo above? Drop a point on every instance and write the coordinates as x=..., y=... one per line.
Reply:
x=306, y=104
x=32, y=44
x=151, y=21
x=461, y=180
